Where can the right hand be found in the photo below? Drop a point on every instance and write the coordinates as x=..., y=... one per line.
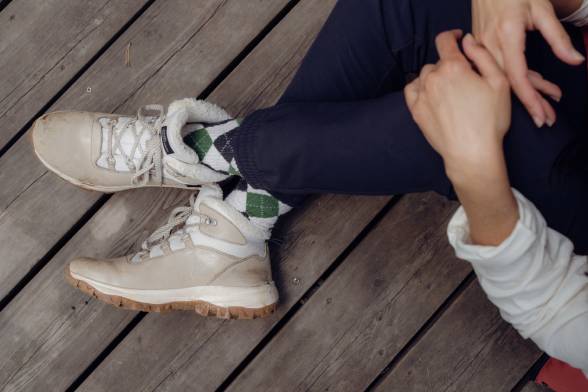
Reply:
x=462, y=114
x=501, y=26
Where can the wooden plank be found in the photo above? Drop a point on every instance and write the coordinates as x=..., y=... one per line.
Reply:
x=183, y=351
x=470, y=348
x=43, y=44
x=186, y=351
x=533, y=387
x=51, y=332
x=371, y=306
x=36, y=207
x=29, y=353
x=43, y=338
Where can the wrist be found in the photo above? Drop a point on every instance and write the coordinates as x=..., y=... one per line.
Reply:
x=478, y=168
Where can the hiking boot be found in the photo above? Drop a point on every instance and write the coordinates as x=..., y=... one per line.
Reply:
x=208, y=258
x=109, y=152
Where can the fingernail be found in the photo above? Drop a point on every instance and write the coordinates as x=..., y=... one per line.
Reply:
x=538, y=121
x=577, y=55
x=555, y=98
x=550, y=123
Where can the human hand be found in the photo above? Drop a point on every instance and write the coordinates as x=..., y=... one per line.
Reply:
x=463, y=114
x=501, y=26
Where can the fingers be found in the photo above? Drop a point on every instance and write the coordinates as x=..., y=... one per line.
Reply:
x=550, y=115
x=425, y=71
x=483, y=60
x=516, y=69
x=545, y=86
x=448, y=47
x=546, y=22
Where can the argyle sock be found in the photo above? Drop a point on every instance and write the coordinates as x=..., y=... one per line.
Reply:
x=260, y=207
x=213, y=144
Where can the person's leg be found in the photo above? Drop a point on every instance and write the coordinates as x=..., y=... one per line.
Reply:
x=373, y=146
x=365, y=50
x=350, y=60
x=344, y=127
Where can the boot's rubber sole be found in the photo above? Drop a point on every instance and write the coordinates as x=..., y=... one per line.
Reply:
x=201, y=307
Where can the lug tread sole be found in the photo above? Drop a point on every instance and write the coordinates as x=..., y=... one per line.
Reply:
x=203, y=308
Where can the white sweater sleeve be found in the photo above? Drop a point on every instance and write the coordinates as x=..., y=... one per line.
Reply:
x=580, y=17
x=536, y=281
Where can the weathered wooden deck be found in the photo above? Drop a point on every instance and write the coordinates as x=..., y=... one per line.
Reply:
x=371, y=295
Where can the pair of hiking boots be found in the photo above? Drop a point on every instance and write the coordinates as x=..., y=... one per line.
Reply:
x=208, y=257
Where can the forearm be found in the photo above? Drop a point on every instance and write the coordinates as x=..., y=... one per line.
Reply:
x=535, y=280
x=484, y=191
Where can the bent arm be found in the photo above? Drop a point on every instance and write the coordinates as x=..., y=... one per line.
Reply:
x=536, y=281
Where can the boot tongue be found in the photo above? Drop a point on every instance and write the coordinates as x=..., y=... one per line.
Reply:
x=207, y=192
x=178, y=159
x=175, y=147
x=171, y=138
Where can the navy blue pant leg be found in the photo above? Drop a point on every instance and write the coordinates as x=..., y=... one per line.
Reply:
x=342, y=126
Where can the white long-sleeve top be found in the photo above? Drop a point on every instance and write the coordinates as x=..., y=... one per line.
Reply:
x=580, y=17
x=536, y=281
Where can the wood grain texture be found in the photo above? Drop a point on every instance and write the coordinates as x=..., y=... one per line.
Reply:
x=532, y=387
x=36, y=207
x=51, y=332
x=368, y=309
x=470, y=348
x=181, y=350
x=308, y=241
x=43, y=44
x=172, y=358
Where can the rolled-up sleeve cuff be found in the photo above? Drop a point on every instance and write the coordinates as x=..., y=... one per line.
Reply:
x=512, y=249
x=580, y=17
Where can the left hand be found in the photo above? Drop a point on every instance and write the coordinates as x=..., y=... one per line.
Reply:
x=501, y=26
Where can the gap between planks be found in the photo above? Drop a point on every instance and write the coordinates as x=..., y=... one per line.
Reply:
x=206, y=92
x=258, y=36
x=3, y=4
x=450, y=300
x=104, y=198
x=309, y=293
x=22, y=131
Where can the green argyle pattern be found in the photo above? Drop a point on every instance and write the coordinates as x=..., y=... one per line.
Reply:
x=200, y=141
x=213, y=143
x=260, y=207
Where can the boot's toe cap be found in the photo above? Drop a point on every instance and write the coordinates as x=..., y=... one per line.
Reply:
x=63, y=141
x=96, y=271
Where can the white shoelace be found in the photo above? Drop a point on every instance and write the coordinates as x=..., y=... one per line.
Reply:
x=176, y=225
x=149, y=160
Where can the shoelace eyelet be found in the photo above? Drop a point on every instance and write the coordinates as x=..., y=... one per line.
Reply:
x=209, y=221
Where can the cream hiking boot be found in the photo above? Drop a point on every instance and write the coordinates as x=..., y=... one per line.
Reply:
x=109, y=152
x=208, y=258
